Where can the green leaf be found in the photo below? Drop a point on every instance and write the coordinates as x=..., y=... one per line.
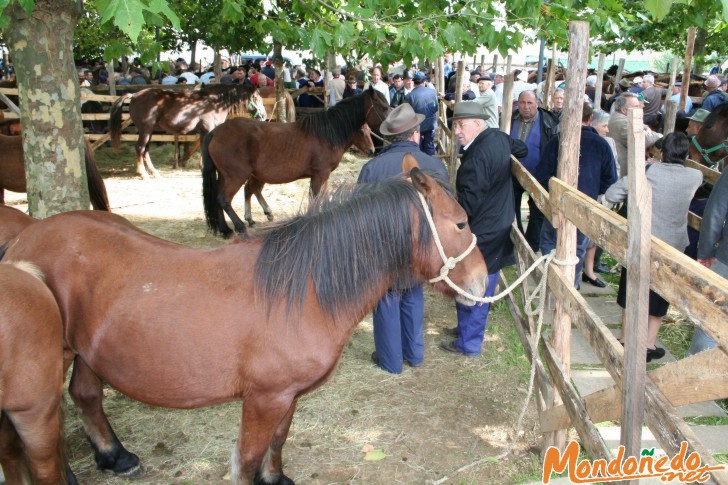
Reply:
x=658, y=8
x=27, y=5
x=162, y=7
x=375, y=455
x=127, y=15
x=725, y=10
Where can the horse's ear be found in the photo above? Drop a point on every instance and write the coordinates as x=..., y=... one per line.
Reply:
x=408, y=163
x=421, y=181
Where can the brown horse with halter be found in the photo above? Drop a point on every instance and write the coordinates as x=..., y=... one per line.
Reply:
x=240, y=150
x=179, y=113
x=710, y=145
x=31, y=379
x=263, y=320
x=12, y=171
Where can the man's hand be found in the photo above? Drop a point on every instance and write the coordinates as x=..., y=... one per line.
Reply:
x=707, y=262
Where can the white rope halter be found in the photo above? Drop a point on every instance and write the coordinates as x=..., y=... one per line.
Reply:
x=448, y=263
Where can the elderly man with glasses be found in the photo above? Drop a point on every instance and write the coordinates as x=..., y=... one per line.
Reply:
x=485, y=190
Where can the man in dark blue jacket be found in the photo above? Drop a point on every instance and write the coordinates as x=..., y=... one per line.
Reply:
x=398, y=316
x=535, y=127
x=485, y=190
x=597, y=171
x=424, y=102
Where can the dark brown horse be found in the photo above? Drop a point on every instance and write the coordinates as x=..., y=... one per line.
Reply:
x=264, y=320
x=278, y=153
x=12, y=171
x=31, y=378
x=710, y=145
x=361, y=139
x=179, y=113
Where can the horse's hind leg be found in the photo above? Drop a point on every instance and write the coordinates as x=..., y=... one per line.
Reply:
x=86, y=389
x=11, y=453
x=255, y=187
x=150, y=165
x=40, y=432
x=256, y=458
x=141, y=147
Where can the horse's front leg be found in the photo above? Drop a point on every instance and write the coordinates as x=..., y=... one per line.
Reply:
x=255, y=187
x=257, y=456
x=86, y=390
x=319, y=181
x=273, y=460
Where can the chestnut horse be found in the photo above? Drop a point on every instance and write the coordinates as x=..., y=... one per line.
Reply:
x=240, y=150
x=264, y=320
x=31, y=378
x=179, y=113
x=361, y=139
x=12, y=171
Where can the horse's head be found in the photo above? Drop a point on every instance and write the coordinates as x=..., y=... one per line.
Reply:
x=710, y=145
x=453, y=254
x=377, y=108
x=362, y=140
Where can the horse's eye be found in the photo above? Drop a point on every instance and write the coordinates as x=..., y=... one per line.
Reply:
x=461, y=225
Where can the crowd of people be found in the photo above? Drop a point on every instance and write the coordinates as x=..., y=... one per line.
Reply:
x=492, y=197
x=485, y=188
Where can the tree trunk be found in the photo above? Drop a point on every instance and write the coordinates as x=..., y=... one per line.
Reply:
x=701, y=37
x=217, y=65
x=50, y=109
x=280, y=106
x=193, y=54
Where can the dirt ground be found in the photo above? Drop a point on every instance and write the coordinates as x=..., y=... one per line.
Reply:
x=364, y=425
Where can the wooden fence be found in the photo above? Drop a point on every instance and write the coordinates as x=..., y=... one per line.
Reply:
x=638, y=396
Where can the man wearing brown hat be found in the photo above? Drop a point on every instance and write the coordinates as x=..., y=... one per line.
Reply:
x=485, y=190
x=398, y=317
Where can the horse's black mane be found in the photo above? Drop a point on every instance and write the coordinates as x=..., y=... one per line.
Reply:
x=338, y=123
x=228, y=94
x=347, y=241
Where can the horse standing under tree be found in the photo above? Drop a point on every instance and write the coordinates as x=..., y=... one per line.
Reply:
x=12, y=171
x=179, y=113
x=265, y=319
x=243, y=150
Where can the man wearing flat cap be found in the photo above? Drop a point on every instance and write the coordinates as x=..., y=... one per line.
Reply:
x=424, y=101
x=716, y=92
x=399, y=317
x=485, y=190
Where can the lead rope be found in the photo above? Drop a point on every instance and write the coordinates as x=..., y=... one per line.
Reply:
x=538, y=292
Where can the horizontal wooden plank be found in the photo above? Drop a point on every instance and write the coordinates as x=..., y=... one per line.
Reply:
x=539, y=194
x=690, y=287
x=709, y=175
x=698, y=378
x=155, y=137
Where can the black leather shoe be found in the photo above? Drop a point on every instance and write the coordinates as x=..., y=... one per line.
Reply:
x=449, y=346
x=656, y=353
x=596, y=281
x=600, y=268
x=452, y=332
x=375, y=358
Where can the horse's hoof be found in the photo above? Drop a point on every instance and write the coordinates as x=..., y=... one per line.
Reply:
x=269, y=216
x=282, y=480
x=243, y=236
x=251, y=222
x=156, y=174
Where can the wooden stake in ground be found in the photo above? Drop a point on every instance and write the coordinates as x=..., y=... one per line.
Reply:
x=507, y=109
x=686, y=68
x=600, y=80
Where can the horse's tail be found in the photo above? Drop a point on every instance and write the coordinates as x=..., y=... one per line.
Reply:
x=96, y=186
x=115, y=120
x=209, y=185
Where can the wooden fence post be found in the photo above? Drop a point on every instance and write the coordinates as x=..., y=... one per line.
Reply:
x=495, y=62
x=507, y=109
x=600, y=80
x=686, y=67
x=568, y=171
x=620, y=68
x=634, y=328
x=452, y=165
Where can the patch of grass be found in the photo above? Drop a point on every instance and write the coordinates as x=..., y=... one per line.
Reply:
x=708, y=421
x=721, y=458
x=676, y=333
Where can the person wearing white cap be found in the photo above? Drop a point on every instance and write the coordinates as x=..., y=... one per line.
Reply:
x=716, y=92
x=636, y=85
x=521, y=84
x=591, y=88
